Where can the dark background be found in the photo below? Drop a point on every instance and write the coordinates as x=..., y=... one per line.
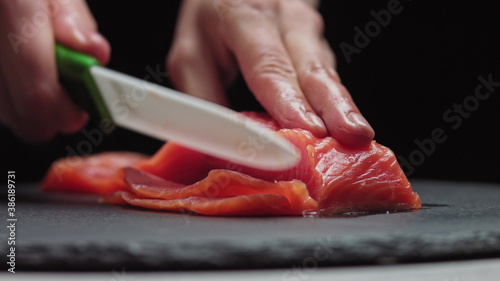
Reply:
x=426, y=59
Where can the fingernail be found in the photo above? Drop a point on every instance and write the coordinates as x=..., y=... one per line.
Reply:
x=85, y=35
x=357, y=120
x=96, y=37
x=79, y=35
x=316, y=122
x=334, y=75
x=96, y=44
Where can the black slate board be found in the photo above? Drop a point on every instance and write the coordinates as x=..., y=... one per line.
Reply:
x=73, y=232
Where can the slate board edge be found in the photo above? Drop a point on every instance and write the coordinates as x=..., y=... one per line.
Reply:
x=283, y=254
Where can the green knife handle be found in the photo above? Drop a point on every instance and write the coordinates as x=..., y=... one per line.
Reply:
x=74, y=74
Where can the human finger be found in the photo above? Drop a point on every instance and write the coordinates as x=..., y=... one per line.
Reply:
x=314, y=62
x=75, y=27
x=267, y=68
x=30, y=72
x=191, y=63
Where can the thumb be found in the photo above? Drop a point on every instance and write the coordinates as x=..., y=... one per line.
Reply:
x=75, y=27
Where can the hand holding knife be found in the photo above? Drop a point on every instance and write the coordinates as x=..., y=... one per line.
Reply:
x=166, y=114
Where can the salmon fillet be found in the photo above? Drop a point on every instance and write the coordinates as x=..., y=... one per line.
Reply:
x=331, y=178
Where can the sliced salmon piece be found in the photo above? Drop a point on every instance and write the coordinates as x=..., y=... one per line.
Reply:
x=330, y=178
x=98, y=173
x=246, y=205
x=218, y=187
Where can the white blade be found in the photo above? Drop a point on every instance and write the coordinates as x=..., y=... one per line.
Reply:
x=166, y=114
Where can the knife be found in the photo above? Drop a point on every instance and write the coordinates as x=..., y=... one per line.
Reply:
x=166, y=114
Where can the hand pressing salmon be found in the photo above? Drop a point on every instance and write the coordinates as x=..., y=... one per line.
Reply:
x=331, y=178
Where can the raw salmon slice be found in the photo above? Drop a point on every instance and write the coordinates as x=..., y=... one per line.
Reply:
x=222, y=192
x=98, y=173
x=330, y=179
